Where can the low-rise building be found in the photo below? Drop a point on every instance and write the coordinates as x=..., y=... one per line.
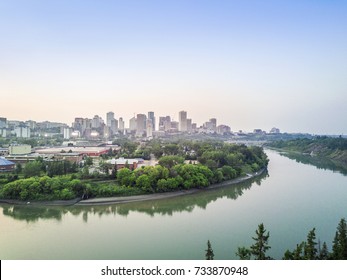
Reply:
x=72, y=157
x=131, y=163
x=85, y=151
x=6, y=165
x=19, y=149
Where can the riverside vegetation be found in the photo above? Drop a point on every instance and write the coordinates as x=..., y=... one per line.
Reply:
x=311, y=249
x=208, y=163
x=321, y=146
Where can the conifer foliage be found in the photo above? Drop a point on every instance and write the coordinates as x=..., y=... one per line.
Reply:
x=209, y=252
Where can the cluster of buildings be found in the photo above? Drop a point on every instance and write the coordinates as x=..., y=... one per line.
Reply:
x=141, y=125
x=28, y=129
x=76, y=153
x=96, y=128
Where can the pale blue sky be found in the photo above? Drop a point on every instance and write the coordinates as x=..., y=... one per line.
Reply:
x=250, y=64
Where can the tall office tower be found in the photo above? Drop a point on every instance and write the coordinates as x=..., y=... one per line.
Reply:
x=86, y=126
x=96, y=122
x=213, y=122
x=189, y=125
x=78, y=124
x=151, y=117
x=141, y=124
x=111, y=123
x=114, y=126
x=182, y=118
x=121, y=124
x=133, y=124
x=109, y=118
x=149, y=128
x=162, y=123
x=167, y=123
x=3, y=122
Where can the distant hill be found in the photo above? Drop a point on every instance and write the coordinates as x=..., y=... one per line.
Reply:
x=322, y=146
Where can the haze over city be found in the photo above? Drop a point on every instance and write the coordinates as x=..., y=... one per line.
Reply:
x=250, y=64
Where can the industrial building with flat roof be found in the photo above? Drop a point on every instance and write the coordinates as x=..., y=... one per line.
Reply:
x=87, y=151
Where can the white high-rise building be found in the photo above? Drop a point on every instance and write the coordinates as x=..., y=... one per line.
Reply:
x=182, y=118
x=121, y=124
x=109, y=119
x=97, y=121
x=67, y=132
x=22, y=131
x=140, y=124
x=149, y=128
x=189, y=125
x=133, y=124
x=151, y=117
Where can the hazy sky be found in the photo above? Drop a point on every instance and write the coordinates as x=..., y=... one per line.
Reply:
x=250, y=64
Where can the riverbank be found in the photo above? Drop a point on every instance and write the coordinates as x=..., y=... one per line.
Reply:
x=156, y=196
x=127, y=199
x=41, y=203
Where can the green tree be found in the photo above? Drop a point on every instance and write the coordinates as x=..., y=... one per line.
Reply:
x=143, y=182
x=259, y=248
x=324, y=253
x=19, y=168
x=32, y=169
x=89, y=161
x=125, y=177
x=243, y=253
x=170, y=161
x=209, y=252
x=310, y=248
x=339, y=251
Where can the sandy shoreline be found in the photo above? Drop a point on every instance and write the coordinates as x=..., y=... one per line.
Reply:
x=127, y=199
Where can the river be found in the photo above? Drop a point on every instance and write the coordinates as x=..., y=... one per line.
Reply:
x=290, y=200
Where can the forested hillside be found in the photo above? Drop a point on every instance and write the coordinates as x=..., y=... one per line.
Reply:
x=332, y=148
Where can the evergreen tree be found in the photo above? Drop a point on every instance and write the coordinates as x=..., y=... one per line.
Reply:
x=298, y=253
x=259, y=248
x=288, y=255
x=324, y=253
x=340, y=242
x=310, y=249
x=209, y=252
x=243, y=253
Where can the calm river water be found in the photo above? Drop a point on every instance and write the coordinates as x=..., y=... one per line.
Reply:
x=290, y=200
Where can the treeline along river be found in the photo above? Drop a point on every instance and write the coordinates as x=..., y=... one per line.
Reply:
x=290, y=199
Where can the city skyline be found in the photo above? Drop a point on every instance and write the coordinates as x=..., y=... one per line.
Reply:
x=247, y=64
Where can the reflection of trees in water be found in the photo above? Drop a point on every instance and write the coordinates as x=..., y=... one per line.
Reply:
x=319, y=162
x=168, y=206
x=33, y=213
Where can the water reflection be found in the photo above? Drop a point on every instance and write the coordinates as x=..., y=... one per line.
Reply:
x=319, y=162
x=169, y=206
